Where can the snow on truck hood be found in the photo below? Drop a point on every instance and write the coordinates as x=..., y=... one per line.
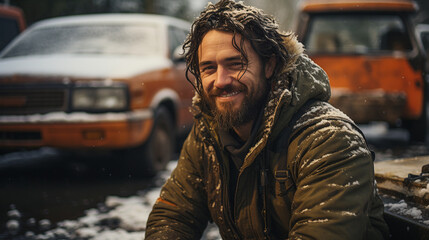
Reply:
x=89, y=66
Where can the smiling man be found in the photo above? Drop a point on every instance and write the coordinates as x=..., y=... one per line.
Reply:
x=235, y=95
x=268, y=157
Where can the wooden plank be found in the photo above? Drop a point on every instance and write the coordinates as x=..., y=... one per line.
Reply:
x=392, y=177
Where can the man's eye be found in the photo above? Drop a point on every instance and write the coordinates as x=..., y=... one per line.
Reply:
x=207, y=68
x=237, y=65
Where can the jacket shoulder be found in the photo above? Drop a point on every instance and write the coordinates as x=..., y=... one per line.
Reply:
x=317, y=112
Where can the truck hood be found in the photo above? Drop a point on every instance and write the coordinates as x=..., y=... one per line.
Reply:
x=88, y=66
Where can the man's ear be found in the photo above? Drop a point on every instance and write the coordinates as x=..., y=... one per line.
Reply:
x=270, y=66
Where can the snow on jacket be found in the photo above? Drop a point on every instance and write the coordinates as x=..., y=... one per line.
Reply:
x=319, y=186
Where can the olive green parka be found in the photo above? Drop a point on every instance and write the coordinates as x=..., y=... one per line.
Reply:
x=320, y=185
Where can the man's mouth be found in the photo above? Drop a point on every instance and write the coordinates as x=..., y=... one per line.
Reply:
x=229, y=94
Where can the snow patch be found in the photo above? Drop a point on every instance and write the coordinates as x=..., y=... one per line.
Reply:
x=80, y=117
x=318, y=220
x=402, y=208
x=126, y=219
x=114, y=66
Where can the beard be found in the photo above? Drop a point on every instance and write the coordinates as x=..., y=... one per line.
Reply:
x=226, y=116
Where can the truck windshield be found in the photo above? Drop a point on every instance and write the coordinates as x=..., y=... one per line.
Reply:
x=357, y=34
x=88, y=39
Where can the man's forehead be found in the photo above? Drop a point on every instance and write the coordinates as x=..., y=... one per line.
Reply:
x=215, y=40
x=218, y=38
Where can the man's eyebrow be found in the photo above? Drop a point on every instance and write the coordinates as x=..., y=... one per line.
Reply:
x=230, y=59
x=235, y=58
x=205, y=63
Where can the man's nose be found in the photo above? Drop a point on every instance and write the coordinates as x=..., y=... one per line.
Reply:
x=223, y=78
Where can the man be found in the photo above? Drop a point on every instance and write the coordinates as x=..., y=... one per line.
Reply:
x=268, y=157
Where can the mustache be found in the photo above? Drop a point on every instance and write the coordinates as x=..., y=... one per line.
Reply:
x=227, y=89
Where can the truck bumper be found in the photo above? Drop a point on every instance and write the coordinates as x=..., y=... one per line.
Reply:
x=76, y=130
x=372, y=105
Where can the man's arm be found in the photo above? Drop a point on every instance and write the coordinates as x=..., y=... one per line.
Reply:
x=181, y=210
x=335, y=184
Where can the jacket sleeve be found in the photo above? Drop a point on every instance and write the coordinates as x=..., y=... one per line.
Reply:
x=335, y=189
x=181, y=210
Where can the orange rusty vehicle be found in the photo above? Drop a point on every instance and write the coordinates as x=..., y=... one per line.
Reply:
x=374, y=62
x=12, y=22
x=98, y=82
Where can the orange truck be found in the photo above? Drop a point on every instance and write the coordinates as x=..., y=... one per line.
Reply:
x=374, y=61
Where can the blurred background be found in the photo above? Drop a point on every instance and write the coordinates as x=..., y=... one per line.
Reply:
x=284, y=10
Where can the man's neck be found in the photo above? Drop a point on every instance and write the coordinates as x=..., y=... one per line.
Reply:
x=244, y=130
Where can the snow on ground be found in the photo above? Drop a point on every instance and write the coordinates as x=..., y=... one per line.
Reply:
x=123, y=218
x=402, y=208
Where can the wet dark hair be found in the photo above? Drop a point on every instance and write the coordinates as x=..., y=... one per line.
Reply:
x=236, y=18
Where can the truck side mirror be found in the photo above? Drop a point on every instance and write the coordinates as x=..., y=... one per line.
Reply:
x=178, y=54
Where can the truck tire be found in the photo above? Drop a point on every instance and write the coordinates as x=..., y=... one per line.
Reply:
x=152, y=156
x=158, y=149
x=418, y=128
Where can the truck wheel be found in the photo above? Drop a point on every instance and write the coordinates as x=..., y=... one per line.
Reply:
x=418, y=129
x=158, y=149
x=153, y=156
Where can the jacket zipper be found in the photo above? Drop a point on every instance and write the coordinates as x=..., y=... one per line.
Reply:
x=264, y=182
x=225, y=201
x=227, y=212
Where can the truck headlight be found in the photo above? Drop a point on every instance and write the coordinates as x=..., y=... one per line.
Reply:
x=99, y=99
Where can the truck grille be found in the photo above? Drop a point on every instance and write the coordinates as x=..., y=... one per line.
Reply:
x=30, y=101
x=20, y=136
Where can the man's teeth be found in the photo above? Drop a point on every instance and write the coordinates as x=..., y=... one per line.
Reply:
x=230, y=94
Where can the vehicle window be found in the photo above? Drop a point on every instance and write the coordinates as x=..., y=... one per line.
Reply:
x=9, y=30
x=89, y=39
x=176, y=37
x=357, y=34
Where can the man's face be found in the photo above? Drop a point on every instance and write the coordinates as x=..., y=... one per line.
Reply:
x=234, y=91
